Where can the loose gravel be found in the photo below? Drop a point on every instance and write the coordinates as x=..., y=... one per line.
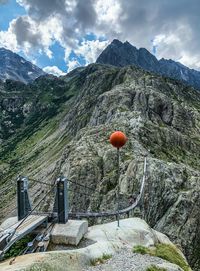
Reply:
x=126, y=260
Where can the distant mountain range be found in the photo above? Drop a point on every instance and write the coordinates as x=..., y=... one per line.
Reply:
x=117, y=53
x=122, y=54
x=15, y=67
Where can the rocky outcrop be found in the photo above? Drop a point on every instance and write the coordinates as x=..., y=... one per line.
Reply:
x=161, y=118
x=107, y=239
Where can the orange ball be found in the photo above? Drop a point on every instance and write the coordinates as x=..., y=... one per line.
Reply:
x=118, y=139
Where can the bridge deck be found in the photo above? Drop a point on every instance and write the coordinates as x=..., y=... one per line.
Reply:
x=31, y=223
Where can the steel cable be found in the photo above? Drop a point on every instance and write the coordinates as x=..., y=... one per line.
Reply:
x=74, y=182
x=2, y=252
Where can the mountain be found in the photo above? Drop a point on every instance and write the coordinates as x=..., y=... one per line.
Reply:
x=122, y=54
x=15, y=67
x=62, y=125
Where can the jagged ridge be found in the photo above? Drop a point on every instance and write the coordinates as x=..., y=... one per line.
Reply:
x=123, y=54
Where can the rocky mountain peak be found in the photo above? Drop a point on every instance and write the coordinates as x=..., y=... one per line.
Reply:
x=116, y=42
x=15, y=67
x=118, y=54
x=122, y=54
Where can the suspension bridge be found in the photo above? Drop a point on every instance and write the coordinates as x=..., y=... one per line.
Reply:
x=30, y=218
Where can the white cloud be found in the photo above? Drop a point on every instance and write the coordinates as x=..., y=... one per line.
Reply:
x=53, y=70
x=50, y=30
x=171, y=44
x=173, y=25
x=190, y=61
x=8, y=39
x=108, y=12
x=72, y=64
x=90, y=49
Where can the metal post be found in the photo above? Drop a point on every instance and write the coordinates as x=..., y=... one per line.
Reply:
x=62, y=200
x=142, y=207
x=22, y=194
x=118, y=187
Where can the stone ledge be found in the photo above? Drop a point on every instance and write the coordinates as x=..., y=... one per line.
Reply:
x=70, y=233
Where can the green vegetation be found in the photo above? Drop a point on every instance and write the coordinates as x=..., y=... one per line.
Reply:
x=141, y=249
x=165, y=251
x=101, y=260
x=170, y=253
x=18, y=247
x=106, y=256
x=155, y=268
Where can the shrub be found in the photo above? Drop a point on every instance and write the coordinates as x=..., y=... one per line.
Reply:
x=141, y=249
x=106, y=256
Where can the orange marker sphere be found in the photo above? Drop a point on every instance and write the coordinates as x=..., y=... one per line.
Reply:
x=118, y=139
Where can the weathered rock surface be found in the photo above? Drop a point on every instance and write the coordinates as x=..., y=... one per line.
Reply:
x=161, y=118
x=108, y=239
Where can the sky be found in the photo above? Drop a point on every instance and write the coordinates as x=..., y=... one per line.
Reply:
x=60, y=35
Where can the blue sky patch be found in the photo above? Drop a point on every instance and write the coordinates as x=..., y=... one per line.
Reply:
x=8, y=12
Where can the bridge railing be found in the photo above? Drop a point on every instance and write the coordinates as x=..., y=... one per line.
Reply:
x=61, y=209
x=62, y=202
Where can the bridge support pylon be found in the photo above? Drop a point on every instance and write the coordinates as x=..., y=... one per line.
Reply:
x=62, y=200
x=23, y=202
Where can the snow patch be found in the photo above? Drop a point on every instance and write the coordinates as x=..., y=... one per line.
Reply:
x=184, y=75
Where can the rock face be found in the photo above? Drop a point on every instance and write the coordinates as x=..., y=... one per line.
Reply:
x=107, y=239
x=161, y=118
x=122, y=54
x=15, y=67
x=23, y=105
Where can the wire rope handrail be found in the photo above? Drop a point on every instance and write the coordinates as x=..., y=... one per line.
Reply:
x=74, y=182
x=113, y=213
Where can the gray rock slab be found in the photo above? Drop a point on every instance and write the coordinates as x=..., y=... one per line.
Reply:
x=70, y=233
